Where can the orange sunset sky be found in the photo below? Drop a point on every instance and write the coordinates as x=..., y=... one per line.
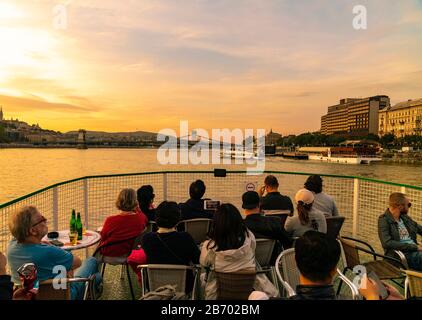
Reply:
x=146, y=65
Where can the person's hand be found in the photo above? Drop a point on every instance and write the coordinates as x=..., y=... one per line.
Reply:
x=369, y=289
x=22, y=294
x=3, y=262
x=261, y=191
x=394, y=294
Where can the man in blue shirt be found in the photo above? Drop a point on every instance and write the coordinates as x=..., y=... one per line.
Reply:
x=28, y=227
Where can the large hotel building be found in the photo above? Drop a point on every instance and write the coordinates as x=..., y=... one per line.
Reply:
x=404, y=118
x=354, y=116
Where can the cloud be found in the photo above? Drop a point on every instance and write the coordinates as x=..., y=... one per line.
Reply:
x=20, y=104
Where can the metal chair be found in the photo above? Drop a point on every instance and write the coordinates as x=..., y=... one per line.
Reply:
x=263, y=253
x=47, y=291
x=334, y=225
x=383, y=268
x=413, y=284
x=235, y=285
x=151, y=227
x=282, y=214
x=158, y=275
x=197, y=228
x=291, y=274
x=121, y=260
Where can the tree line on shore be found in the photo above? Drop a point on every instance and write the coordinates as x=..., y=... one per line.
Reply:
x=318, y=139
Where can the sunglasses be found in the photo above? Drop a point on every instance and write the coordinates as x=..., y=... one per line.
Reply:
x=43, y=219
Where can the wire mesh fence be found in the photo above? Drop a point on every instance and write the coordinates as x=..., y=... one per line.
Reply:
x=360, y=200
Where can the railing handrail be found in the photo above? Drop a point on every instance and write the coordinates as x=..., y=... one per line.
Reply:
x=204, y=171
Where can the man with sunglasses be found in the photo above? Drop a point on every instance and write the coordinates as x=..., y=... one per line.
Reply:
x=28, y=227
x=397, y=231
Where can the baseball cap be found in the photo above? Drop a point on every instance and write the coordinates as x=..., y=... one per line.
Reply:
x=304, y=195
x=250, y=200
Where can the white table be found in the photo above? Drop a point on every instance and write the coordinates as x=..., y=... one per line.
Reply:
x=90, y=238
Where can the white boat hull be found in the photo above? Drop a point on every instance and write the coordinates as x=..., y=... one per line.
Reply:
x=346, y=160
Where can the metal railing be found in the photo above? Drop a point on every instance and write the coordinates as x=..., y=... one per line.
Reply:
x=360, y=200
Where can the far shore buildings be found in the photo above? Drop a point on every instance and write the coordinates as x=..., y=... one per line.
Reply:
x=404, y=118
x=354, y=116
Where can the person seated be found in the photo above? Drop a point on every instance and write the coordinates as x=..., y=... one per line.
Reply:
x=194, y=207
x=323, y=202
x=274, y=203
x=169, y=246
x=231, y=248
x=28, y=227
x=262, y=226
x=317, y=256
x=119, y=231
x=6, y=285
x=398, y=231
x=308, y=218
x=146, y=197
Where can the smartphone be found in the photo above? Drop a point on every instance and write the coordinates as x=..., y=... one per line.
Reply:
x=211, y=204
x=383, y=290
x=56, y=243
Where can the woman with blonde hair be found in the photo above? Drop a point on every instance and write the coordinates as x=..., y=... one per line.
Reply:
x=126, y=225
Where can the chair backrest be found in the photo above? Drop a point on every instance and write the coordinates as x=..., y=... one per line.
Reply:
x=263, y=252
x=291, y=272
x=350, y=253
x=414, y=282
x=334, y=225
x=354, y=291
x=234, y=286
x=47, y=291
x=197, y=228
x=289, y=291
x=282, y=214
x=159, y=275
x=151, y=227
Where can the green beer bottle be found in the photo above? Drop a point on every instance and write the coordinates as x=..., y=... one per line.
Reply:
x=79, y=226
x=72, y=224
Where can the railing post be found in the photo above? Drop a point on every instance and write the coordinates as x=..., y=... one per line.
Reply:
x=165, y=186
x=55, y=209
x=403, y=190
x=86, y=214
x=356, y=184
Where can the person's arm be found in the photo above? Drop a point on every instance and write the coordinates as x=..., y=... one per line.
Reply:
x=323, y=222
x=419, y=228
x=368, y=289
x=388, y=242
x=77, y=262
x=291, y=208
x=195, y=253
x=335, y=210
x=6, y=285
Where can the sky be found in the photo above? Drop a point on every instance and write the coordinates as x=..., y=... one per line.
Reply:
x=148, y=64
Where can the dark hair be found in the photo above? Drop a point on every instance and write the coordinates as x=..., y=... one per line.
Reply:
x=228, y=230
x=271, y=181
x=168, y=214
x=197, y=189
x=145, y=196
x=314, y=184
x=316, y=255
x=303, y=212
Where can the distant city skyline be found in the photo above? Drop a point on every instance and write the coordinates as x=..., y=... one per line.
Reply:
x=218, y=64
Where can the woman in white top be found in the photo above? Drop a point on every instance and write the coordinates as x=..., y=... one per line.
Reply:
x=308, y=218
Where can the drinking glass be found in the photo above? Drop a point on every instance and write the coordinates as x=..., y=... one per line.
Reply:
x=73, y=237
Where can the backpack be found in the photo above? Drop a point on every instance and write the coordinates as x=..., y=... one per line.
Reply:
x=167, y=292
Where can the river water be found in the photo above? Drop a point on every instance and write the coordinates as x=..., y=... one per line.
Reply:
x=23, y=171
